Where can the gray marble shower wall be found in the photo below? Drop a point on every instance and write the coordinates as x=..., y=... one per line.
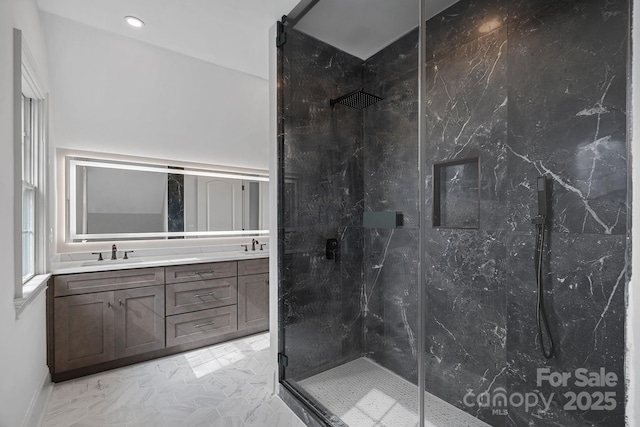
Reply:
x=322, y=198
x=541, y=92
x=530, y=88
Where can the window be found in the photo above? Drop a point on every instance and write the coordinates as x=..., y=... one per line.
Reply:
x=29, y=186
x=30, y=196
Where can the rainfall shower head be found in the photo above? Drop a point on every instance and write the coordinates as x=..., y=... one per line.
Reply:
x=356, y=99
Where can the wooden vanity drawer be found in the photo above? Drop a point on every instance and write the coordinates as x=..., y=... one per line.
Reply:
x=195, y=272
x=190, y=327
x=201, y=295
x=84, y=283
x=253, y=266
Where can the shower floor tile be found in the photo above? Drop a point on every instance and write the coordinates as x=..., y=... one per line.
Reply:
x=364, y=394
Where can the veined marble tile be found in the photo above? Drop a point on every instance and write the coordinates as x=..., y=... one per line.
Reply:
x=65, y=418
x=202, y=417
x=234, y=406
x=91, y=421
x=187, y=390
x=237, y=389
x=229, y=422
x=260, y=415
x=179, y=411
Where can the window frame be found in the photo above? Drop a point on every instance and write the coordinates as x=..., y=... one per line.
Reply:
x=29, y=153
x=27, y=83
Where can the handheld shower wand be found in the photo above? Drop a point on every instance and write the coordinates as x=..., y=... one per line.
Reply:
x=540, y=222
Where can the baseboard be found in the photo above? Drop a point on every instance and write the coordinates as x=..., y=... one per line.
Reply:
x=38, y=405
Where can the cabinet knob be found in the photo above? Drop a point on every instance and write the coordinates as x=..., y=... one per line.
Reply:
x=120, y=303
x=109, y=304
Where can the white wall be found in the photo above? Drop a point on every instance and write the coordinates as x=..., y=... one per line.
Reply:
x=23, y=351
x=114, y=94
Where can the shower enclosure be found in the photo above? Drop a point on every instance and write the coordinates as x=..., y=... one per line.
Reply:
x=411, y=140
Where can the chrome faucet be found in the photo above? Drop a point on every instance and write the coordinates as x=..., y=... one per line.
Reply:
x=253, y=244
x=114, y=252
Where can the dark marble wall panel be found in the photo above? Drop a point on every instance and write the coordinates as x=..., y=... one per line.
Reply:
x=559, y=87
x=567, y=118
x=465, y=337
x=584, y=284
x=466, y=112
x=391, y=130
x=321, y=300
x=323, y=148
x=465, y=330
x=323, y=198
x=464, y=22
x=389, y=305
x=175, y=202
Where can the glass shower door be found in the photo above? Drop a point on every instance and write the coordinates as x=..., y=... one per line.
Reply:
x=348, y=228
x=411, y=158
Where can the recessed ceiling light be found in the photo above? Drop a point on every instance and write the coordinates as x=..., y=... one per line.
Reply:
x=134, y=22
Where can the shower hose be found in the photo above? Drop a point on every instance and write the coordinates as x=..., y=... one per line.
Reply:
x=541, y=315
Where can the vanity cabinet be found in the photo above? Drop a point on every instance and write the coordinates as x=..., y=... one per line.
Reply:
x=201, y=302
x=99, y=317
x=139, y=321
x=103, y=320
x=253, y=293
x=83, y=330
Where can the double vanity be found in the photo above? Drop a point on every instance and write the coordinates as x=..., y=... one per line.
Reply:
x=102, y=315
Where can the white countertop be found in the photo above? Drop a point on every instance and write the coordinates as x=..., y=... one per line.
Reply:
x=69, y=267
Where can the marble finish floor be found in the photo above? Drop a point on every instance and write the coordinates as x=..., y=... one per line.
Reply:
x=225, y=385
x=364, y=394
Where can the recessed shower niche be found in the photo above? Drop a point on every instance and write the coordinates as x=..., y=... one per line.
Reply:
x=456, y=193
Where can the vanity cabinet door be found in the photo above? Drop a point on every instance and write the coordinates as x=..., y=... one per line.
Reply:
x=83, y=331
x=253, y=302
x=139, y=320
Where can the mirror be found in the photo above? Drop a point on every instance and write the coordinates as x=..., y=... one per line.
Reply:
x=110, y=200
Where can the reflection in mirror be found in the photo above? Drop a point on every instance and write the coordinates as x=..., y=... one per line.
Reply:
x=123, y=201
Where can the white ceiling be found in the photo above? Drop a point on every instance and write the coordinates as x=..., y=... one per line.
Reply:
x=230, y=33
x=364, y=27
x=234, y=33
